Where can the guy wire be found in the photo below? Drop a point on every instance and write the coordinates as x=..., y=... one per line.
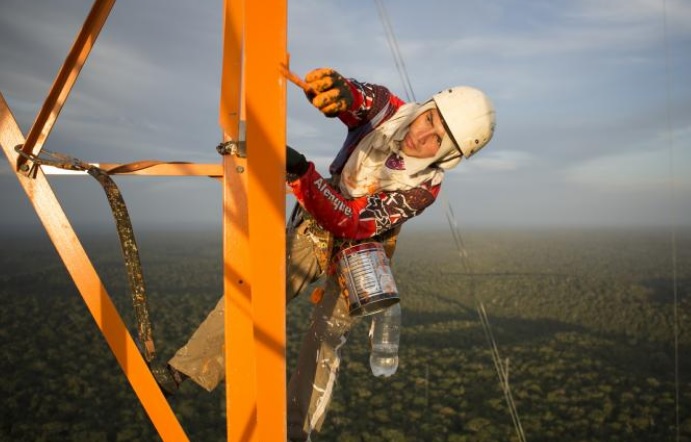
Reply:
x=393, y=45
x=673, y=216
x=502, y=371
x=499, y=366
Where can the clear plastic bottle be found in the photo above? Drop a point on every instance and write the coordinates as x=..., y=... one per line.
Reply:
x=385, y=334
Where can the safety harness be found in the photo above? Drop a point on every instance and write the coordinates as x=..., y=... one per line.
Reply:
x=324, y=244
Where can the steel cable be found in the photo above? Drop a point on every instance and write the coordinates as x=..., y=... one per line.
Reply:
x=502, y=371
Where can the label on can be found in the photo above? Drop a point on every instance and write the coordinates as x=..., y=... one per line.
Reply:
x=365, y=276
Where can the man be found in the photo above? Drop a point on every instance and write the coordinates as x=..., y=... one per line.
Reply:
x=389, y=169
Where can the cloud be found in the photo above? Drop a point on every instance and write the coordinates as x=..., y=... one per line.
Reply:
x=631, y=172
x=502, y=161
x=588, y=93
x=677, y=13
x=495, y=161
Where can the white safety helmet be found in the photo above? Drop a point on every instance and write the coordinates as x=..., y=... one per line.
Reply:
x=468, y=116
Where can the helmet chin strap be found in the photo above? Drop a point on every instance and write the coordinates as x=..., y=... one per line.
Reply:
x=445, y=160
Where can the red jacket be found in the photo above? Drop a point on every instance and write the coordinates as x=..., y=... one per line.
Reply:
x=369, y=215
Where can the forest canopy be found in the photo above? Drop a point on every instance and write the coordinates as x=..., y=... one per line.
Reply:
x=585, y=321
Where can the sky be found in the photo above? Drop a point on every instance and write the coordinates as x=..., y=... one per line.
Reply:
x=592, y=98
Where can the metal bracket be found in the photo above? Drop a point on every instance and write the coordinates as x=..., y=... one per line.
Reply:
x=234, y=147
x=26, y=163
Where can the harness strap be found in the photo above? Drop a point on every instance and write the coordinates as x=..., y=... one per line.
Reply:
x=125, y=234
x=324, y=244
x=139, y=165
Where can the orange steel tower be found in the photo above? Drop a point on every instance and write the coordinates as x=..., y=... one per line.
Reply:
x=252, y=171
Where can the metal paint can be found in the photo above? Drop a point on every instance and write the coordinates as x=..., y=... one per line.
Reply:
x=364, y=274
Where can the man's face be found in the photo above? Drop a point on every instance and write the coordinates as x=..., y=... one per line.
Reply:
x=424, y=136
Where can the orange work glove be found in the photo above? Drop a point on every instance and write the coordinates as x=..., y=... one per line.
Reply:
x=332, y=92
